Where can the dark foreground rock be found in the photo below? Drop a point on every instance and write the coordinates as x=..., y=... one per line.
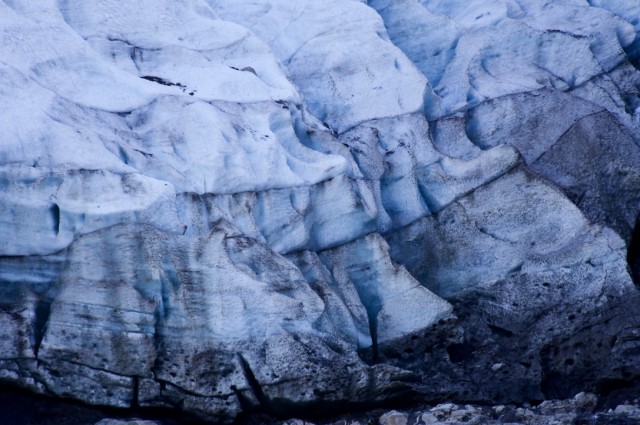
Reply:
x=18, y=407
x=580, y=410
x=21, y=408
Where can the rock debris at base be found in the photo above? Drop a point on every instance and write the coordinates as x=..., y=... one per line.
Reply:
x=126, y=422
x=581, y=410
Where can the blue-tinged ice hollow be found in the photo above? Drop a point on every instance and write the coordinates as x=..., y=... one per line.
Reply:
x=390, y=295
x=434, y=49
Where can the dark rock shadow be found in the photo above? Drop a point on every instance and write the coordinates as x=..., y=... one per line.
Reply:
x=633, y=254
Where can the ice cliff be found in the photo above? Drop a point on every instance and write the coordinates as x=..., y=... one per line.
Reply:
x=228, y=207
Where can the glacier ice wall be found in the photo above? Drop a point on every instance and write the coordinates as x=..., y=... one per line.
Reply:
x=230, y=207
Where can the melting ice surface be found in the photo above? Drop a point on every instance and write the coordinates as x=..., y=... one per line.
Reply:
x=229, y=205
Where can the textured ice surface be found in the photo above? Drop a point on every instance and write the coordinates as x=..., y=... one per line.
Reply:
x=234, y=206
x=338, y=54
x=480, y=51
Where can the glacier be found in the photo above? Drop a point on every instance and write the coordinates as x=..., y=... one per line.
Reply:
x=301, y=208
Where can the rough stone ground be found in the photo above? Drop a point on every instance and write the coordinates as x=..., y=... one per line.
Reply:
x=581, y=410
x=20, y=408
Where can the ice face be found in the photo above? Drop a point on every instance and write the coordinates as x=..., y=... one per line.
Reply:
x=339, y=55
x=273, y=205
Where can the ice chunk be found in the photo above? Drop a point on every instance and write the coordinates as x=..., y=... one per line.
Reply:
x=396, y=304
